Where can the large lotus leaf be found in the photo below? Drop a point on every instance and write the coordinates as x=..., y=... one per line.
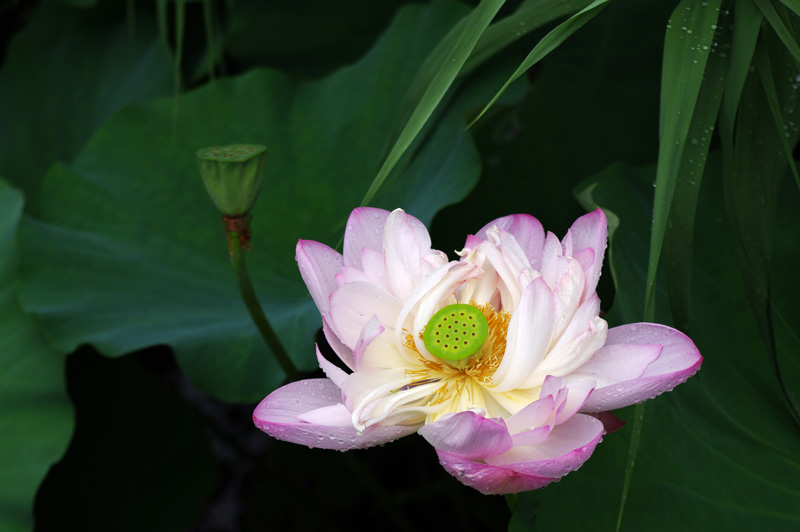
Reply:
x=65, y=74
x=127, y=250
x=308, y=38
x=721, y=450
x=35, y=412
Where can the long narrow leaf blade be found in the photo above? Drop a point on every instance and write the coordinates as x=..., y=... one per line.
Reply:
x=549, y=42
x=447, y=72
x=780, y=28
x=679, y=237
x=771, y=93
x=688, y=41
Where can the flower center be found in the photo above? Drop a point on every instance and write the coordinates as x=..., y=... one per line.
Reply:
x=456, y=332
x=461, y=383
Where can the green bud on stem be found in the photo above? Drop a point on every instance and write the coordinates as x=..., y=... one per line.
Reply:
x=233, y=175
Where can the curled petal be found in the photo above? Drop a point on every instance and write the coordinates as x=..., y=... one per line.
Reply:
x=281, y=415
x=468, y=435
x=638, y=362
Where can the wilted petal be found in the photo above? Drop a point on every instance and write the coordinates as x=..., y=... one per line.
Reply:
x=278, y=415
x=664, y=356
x=468, y=435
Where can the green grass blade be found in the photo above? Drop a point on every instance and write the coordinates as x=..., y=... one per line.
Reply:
x=689, y=38
x=746, y=27
x=531, y=15
x=752, y=179
x=679, y=237
x=768, y=84
x=687, y=43
x=794, y=5
x=549, y=42
x=774, y=19
x=446, y=73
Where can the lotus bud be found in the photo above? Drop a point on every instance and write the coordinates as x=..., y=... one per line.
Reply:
x=233, y=176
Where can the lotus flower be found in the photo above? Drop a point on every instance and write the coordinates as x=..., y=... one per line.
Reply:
x=500, y=360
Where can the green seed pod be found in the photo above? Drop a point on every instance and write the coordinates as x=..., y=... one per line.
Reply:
x=456, y=332
x=233, y=175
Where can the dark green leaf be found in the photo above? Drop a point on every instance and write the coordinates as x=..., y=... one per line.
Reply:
x=65, y=74
x=127, y=250
x=35, y=412
x=446, y=73
x=718, y=452
x=549, y=42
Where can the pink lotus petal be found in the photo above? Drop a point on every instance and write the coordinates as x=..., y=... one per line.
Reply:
x=374, y=265
x=551, y=252
x=318, y=265
x=405, y=243
x=468, y=435
x=533, y=415
x=364, y=230
x=490, y=479
x=277, y=415
x=330, y=416
x=617, y=365
x=578, y=393
x=334, y=373
x=372, y=329
x=354, y=304
x=529, y=334
x=344, y=353
x=526, y=230
x=591, y=231
x=570, y=444
x=532, y=437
